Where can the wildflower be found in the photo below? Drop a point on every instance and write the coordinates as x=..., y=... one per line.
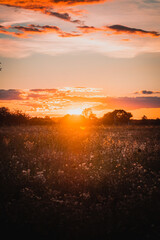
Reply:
x=60, y=172
x=91, y=156
x=6, y=141
x=40, y=176
x=29, y=145
x=86, y=195
x=26, y=172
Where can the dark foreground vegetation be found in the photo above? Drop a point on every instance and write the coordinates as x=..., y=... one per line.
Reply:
x=115, y=118
x=80, y=183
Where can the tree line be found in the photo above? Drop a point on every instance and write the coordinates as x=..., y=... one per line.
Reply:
x=117, y=117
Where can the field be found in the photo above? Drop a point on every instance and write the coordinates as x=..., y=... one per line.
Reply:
x=93, y=183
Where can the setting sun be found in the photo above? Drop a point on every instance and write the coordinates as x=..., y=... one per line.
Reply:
x=75, y=111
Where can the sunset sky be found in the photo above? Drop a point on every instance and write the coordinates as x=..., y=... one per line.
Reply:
x=58, y=56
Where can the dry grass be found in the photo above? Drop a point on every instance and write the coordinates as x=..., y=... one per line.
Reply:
x=98, y=183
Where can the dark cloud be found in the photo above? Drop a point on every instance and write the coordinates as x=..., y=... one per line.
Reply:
x=46, y=28
x=31, y=29
x=53, y=90
x=117, y=29
x=102, y=103
x=125, y=29
x=41, y=6
x=10, y=94
x=147, y=92
x=27, y=29
x=77, y=2
x=130, y=103
x=63, y=16
x=89, y=29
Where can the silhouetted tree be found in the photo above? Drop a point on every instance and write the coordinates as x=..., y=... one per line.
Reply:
x=90, y=116
x=144, y=120
x=5, y=115
x=8, y=118
x=117, y=117
x=87, y=113
x=144, y=117
x=4, y=111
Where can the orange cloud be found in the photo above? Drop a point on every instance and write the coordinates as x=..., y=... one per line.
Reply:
x=45, y=7
x=64, y=16
x=89, y=29
x=118, y=29
x=52, y=99
x=74, y=34
x=31, y=29
x=48, y=7
x=147, y=92
x=125, y=40
x=128, y=103
x=41, y=4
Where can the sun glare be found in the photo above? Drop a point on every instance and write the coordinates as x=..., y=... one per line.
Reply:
x=75, y=111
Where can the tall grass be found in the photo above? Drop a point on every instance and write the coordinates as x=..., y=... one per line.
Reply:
x=71, y=183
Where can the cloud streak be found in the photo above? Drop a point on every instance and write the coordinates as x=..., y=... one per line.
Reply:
x=147, y=92
x=120, y=29
x=31, y=29
x=41, y=4
x=48, y=7
x=117, y=29
x=69, y=96
x=11, y=94
x=45, y=8
x=64, y=16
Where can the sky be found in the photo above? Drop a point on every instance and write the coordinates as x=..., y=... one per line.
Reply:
x=62, y=56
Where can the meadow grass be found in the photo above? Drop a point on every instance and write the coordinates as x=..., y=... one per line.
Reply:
x=75, y=183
